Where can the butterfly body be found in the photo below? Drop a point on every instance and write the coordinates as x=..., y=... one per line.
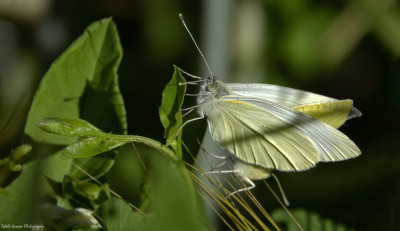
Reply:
x=252, y=172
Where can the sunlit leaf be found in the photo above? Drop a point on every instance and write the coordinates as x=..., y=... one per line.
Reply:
x=91, y=146
x=93, y=141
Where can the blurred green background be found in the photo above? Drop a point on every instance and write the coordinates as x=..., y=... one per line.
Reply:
x=342, y=49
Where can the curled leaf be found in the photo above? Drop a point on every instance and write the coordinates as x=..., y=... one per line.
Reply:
x=69, y=127
x=170, y=110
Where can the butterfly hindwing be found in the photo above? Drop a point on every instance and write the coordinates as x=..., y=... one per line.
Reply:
x=326, y=109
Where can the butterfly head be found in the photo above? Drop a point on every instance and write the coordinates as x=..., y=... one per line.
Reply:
x=212, y=88
x=210, y=84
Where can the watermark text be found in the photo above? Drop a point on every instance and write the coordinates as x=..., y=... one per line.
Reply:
x=33, y=227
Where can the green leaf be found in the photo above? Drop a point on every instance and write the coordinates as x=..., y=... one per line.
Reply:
x=69, y=127
x=95, y=145
x=308, y=221
x=170, y=111
x=97, y=166
x=93, y=141
x=90, y=147
x=116, y=214
x=86, y=189
x=5, y=193
x=82, y=83
x=57, y=168
x=173, y=204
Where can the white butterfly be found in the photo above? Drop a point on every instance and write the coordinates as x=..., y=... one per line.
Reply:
x=273, y=127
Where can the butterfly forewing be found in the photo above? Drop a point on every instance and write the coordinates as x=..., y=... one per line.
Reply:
x=261, y=138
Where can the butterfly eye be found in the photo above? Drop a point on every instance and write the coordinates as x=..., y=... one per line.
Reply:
x=210, y=87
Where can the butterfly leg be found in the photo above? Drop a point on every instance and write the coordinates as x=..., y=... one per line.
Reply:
x=198, y=94
x=189, y=108
x=247, y=180
x=186, y=122
x=220, y=165
x=220, y=171
x=192, y=82
x=215, y=156
x=188, y=112
x=188, y=74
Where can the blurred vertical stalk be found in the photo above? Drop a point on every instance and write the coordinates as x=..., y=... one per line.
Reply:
x=217, y=24
x=249, y=43
x=230, y=28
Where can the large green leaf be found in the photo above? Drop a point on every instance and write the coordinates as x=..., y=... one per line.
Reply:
x=170, y=111
x=82, y=82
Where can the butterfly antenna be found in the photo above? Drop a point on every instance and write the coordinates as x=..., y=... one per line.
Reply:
x=194, y=41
